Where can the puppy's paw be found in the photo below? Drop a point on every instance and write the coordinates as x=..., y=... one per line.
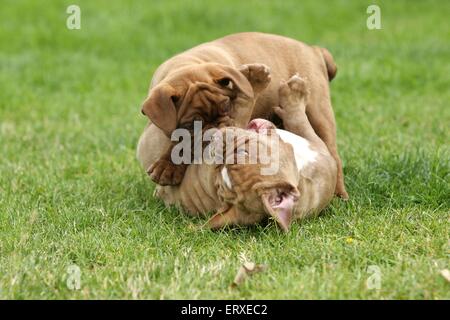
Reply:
x=165, y=173
x=292, y=95
x=340, y=191
x=225, y=121
x=258, y=75
x=342, y=194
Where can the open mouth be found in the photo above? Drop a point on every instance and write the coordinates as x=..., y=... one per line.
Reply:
x=260, y=125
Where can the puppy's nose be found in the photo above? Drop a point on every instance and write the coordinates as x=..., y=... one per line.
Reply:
x=142, y=111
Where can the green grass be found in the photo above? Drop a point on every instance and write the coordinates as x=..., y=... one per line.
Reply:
x=72, y=192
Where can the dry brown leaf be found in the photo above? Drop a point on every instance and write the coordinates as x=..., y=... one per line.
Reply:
x=446, y=274
x=247, y=269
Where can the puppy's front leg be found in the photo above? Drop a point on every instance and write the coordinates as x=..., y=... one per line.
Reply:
x=292, y=109
x=259, y=77
x=164, y=172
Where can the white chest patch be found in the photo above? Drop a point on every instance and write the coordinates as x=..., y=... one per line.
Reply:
x=226, y=177
x=302, y=151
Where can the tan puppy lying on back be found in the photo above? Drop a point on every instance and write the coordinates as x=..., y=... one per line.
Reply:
x=302, y=186
x=219, y=83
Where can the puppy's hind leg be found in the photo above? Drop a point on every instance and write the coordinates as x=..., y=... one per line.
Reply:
x=320, y=120
x=321, y=116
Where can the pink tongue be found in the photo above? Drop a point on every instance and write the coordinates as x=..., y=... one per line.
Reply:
x=258, y=125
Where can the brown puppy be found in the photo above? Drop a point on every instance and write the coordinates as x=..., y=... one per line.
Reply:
x=218, y=82
x=304, y=183
x=215, y=94
x=301, y=185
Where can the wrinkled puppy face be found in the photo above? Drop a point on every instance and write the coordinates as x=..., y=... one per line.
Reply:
x=204, y=92
x=248, y=195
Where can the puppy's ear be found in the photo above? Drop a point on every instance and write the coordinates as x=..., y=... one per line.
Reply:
x=159, y=107
x=232, y=78
x=279, y=202
x=227, y=217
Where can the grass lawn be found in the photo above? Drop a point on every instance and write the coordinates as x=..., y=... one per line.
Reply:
x=72, y=192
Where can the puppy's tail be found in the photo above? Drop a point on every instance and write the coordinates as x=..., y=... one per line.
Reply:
x=329, y=62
